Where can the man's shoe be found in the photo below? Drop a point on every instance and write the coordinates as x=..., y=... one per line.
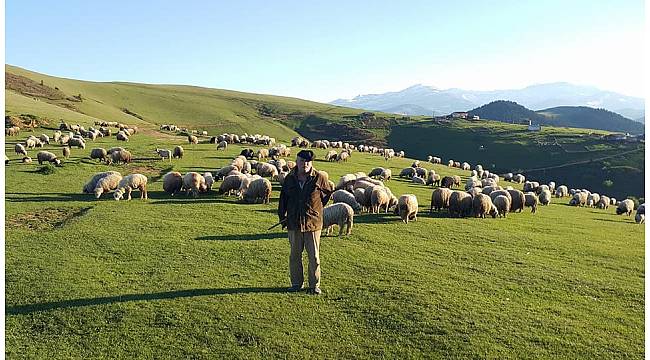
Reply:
x=295, y=288
x=315, y=291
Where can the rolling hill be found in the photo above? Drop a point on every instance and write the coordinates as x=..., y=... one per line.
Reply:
x=148, y=105
x=565, y=116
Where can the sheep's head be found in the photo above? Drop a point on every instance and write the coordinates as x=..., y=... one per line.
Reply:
x=57, y=162
x=98, y=192
x=118, y=194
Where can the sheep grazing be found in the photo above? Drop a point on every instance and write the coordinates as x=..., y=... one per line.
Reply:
x=267, y=170
x=164, y=154
x=172, y=182
x=502, y=205
x=625, y=207
x=519, y=179
x=46, y=156
x=258, y=191
x=474, y=191
x=447, y=182
x=340, y=214
x=192, y=139
x=99, y=154
x=460, y=204
x=79, y=143
x=343, y=156
x=122, y=136
x=579, y=199
x=128, y=184
x=545, y=197
x=433, y=179
x=603, y=203
x=408, y=173
x=331, y=155
x=639, y=218
x=121, y=156
x=178, y=152
x=25, y=160
x=418, y=180
x=193, y=182
x=232, y=183
x=465, y=166
x=482, y=206
x=531, y=201
x=222, y=145
x=89, y=187
x=440, y=199
x=407, y=208
x=343, y=196
x=20, y=150
x=107, y=184
x=518, y=200
x=378, y=198
x=209, y=180
x=346, y=182
x=561, y=191
x=507, y=177
x=593, y=199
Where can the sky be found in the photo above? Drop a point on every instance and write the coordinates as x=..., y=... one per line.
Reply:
x=324, y=50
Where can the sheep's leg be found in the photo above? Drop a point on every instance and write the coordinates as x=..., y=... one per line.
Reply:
x=350, y=221
x=128, y=192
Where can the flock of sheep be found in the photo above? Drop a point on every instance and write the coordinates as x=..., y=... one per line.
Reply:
x=249, y=177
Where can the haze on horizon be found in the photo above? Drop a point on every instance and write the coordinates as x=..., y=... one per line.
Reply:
x=333, y=50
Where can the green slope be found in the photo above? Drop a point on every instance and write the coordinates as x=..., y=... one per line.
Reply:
x=194, y=107
x=570, y=116
x=545, y=156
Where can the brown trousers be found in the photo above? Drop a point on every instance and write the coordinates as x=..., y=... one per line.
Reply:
x=304, y=240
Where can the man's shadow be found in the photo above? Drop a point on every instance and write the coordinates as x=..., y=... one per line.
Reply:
x=107, y=300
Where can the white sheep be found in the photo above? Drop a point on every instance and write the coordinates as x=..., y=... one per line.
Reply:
x=344, y=196
x=128, y=184
x=209, y=180
x=106, y=184
x=172, y=182
x=193, y=182
x=20, y=149
x=407, y=207
x=502, y=204
x=625, y=207
x=222, y=145
x=340, y=214
x=46, y=156
x=259, y=190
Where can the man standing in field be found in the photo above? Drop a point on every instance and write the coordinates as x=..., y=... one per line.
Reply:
x=304, y=193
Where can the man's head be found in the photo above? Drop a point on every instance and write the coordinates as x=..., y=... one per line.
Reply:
x=304, y=161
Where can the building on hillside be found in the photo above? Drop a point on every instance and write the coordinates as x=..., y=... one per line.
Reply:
x=537, y=127
x=459, y=115
x=476, y=117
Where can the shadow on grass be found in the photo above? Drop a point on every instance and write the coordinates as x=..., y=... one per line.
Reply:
x=245, y=237
x=376, y=218
x=30, y=197
x=66, y=304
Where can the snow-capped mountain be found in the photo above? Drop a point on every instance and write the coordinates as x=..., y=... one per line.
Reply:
x=424, y=100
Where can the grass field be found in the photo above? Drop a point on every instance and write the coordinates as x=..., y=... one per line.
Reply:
x=203, y=278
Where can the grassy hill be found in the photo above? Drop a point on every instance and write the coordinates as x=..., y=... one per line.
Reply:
x=565, y=116
x=508, y=147
x=580, y=158
x=213, y=110
x=203, y=278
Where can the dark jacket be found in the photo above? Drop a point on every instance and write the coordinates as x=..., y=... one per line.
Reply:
x=303, y=208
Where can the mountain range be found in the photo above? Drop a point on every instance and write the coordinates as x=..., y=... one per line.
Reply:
x=562, y=116
x=425, y=100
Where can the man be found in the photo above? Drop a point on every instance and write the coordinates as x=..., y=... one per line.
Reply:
x=304, y=193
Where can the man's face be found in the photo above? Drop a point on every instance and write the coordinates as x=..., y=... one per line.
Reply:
x=303, y=165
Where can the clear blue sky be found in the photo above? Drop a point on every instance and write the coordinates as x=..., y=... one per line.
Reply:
x=330, y=49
